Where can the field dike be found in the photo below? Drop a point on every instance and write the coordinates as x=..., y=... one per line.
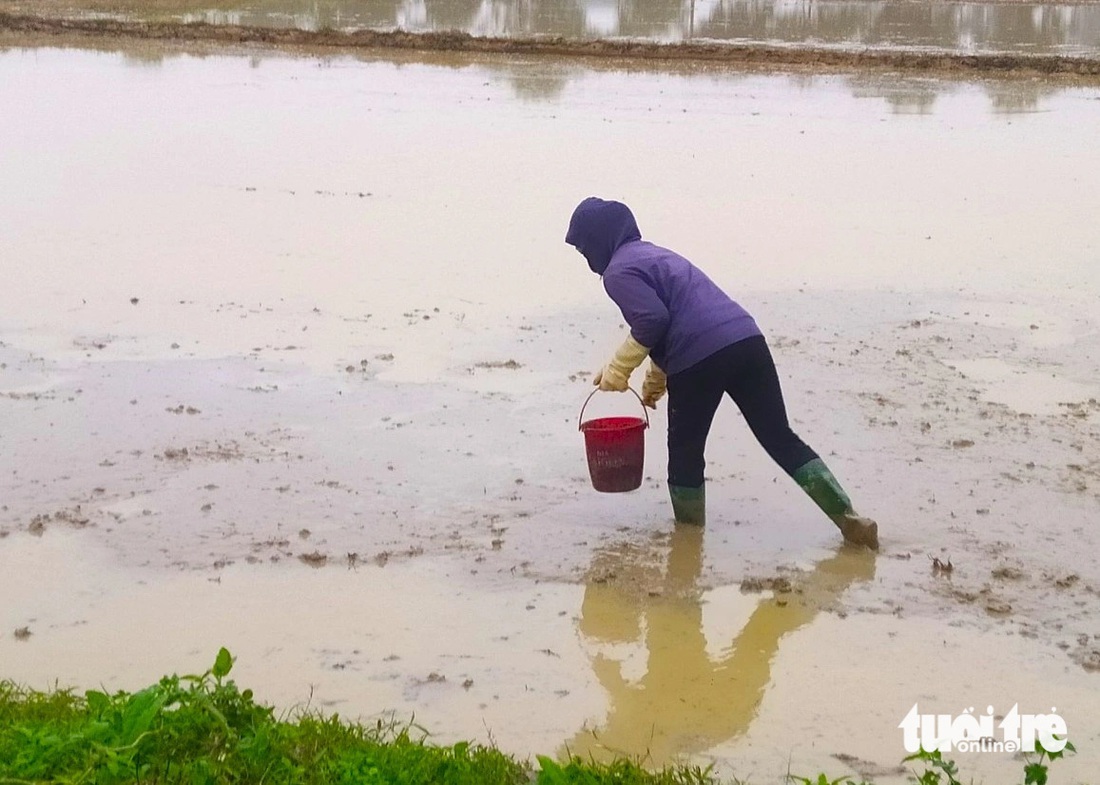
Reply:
x=749, y=55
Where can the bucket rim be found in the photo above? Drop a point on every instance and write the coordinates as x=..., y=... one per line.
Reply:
x=602, y=424
x=580, y=418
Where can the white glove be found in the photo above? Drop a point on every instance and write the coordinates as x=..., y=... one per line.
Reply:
x=615, y=376
x=654, y=386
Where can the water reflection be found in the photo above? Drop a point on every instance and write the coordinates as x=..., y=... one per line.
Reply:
x=537, y=84
x=973, y=27
x=904, y=95
x=546, y=80
x=918, y=95
x=687, y=700
x=1020, y=98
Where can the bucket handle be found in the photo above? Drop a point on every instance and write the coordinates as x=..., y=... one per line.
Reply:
x=580, y=418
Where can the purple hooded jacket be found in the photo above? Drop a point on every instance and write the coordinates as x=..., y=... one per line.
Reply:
x=672, y=307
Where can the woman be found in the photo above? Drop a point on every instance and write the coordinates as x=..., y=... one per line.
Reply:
x=701, y=344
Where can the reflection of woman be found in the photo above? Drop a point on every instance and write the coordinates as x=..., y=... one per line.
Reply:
x=687, y=702
x=709, y=346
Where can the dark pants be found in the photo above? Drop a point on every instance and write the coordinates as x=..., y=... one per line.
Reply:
x=745, y=371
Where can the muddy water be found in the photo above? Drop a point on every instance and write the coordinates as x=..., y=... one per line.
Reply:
x=1019, y=28
x=266, y=312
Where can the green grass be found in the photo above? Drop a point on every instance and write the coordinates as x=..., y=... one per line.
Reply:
x=201, y=729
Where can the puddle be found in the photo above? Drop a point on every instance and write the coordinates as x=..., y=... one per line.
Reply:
x=970, y=28
x=673, y=688
x=877, y=669
x=1023, y=389
x=360, y=642
x=640, y=660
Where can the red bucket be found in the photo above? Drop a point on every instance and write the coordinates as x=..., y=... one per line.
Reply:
x=616, y=449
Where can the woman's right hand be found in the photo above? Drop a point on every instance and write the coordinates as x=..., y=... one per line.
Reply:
x=615, y=376
x=609, y=379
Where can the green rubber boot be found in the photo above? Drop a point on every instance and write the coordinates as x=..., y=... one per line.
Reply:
x=825, y=490
x=821, y=486
x=689, y=505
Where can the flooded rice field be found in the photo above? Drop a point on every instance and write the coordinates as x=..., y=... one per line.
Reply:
x=292, y=353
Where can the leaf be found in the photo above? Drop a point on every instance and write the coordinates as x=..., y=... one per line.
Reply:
x=223, y=664
x=139, y=713
x=1035, y=774
x=1062, y=752
x=550, y=773
x=97, y=730
x=97, y=701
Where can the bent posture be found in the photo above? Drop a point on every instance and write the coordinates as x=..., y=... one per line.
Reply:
x=701, y=345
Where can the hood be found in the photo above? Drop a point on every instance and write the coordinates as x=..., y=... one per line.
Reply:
x=598, y=228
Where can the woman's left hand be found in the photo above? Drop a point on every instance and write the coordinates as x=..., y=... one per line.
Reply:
x=654, y=386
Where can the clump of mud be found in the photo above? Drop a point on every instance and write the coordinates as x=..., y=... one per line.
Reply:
x=315, y=559
x=73, y=518
x=218, y=451
x=777, y=584
x=509, y=365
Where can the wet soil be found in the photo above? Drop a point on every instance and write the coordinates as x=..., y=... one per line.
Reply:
x=274, y=376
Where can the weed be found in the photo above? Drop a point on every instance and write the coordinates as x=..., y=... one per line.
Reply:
x=577, y=771
x=941, y=771
x=202, y=729
x=1035, y=771
x=936, y=768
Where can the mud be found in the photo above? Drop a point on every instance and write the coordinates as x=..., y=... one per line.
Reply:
x=752, y=55
x=923, y=265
